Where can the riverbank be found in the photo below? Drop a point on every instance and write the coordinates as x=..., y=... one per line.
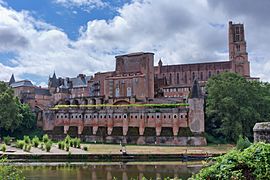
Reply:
x=114, y=153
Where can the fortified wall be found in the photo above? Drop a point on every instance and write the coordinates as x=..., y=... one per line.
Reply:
x=167, y=124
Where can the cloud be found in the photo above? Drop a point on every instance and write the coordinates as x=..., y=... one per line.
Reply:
x=180, y=32
x=86, y=5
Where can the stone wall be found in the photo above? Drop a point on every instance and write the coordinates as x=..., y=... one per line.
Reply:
x=262, y=132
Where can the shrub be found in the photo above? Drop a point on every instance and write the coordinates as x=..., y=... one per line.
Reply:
x=4, y=148
x=251, y=163
x=10, y=172
x=67, y=147
x=72, y=142
x=27, y=147
x=67, y=139
x=85, y=148
x=7, y=140
x=78, y=143
x=42, y=146
x=63, y=145
x=48, y=146
x=242, y=143
x=26, y=139
x=20, y=144
x=35, y=141
x=59, y=145
x=45, y=138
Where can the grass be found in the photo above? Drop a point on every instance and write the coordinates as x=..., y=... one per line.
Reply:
x=137, y=149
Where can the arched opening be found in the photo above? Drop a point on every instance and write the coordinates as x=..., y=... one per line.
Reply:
x=75, y=102
x=121, y=102
x=67, y=102
x=85, y=101
x=94, y=102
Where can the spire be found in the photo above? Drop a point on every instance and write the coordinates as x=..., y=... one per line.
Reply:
x=54, y=81
x=160, y=62
x=196, y=90
x=12, y=79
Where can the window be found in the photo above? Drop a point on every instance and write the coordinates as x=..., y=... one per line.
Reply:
x=157, y=116
x=136, y=117
x=237, y=47
x=120, y=116
x=170, y=78
x=128, y=91
x=177, y=78
x=201, y=76
x=86, y=116
x=117, y=92
x=193, y=75
x=174, y=116
x=164, y=116
x=209, y=74
x=125, y=116
x=141, y=116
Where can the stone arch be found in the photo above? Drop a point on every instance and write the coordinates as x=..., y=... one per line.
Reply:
x=121, y=102
x=75, y=102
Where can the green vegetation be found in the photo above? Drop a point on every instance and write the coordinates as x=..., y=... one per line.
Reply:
x=35, y=141
x=7, y=140
x=242, y=143
x=251, y=163
x=122, y=105
x=9, y=172
x=20, y=144
x=85, y=148
x=45, y=138
x=234, y=105
x=4, y=147
x=48, y=146
x=15, y=118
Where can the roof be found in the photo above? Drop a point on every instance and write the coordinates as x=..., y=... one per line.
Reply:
x=23, y=83
x=134, y=54
x=78, y=82
x=42, y=91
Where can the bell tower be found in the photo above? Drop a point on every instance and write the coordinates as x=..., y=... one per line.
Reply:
x=238, y=49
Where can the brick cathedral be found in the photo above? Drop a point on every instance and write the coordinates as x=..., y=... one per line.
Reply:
x=135, y=80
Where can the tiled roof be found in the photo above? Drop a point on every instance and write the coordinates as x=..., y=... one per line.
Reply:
x=24, y=83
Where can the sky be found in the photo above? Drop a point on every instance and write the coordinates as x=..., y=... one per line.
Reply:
x=69, y=37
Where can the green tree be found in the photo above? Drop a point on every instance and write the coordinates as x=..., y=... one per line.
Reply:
x=10, y=118
x=234, y=105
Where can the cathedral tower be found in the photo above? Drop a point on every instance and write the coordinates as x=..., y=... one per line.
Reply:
x=238, y=49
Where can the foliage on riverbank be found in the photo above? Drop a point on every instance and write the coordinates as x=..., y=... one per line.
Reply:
x=251, y=163
x=9, y=172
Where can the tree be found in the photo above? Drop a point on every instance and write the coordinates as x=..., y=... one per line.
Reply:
x=9, y=110
x=234, y=105
x=14, y=116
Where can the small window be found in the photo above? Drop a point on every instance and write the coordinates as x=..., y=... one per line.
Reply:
x=152, y=116
x=174, y=116
x=169, y=116
x=86, y=116
x=157, y=116
x=125, y=116
x=57, y=116
x=109, y=116
x=94, y=116
x=61, y=116
x=135, y=117
x=181, y=116
x=90, y=116
x=164, y=116
x=72, y=117
x=141, y=116
x=147, y=117
x=131, y=116
x=100, y=116
x=105, y=116
x=120, y=116
x=115, y=116
x=80, y=116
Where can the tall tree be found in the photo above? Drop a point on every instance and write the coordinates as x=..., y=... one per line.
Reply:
x=10, y=118
x=234, y=105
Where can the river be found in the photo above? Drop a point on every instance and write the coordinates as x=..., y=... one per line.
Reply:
x=108, y=171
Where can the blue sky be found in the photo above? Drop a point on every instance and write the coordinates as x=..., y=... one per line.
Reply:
x=38, y=37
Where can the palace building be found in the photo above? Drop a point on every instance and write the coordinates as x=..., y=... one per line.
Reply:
x=101, y=108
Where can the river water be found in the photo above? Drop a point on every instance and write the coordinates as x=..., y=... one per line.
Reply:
x=108, y=171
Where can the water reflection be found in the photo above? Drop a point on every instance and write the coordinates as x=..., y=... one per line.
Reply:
x=109, y=171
